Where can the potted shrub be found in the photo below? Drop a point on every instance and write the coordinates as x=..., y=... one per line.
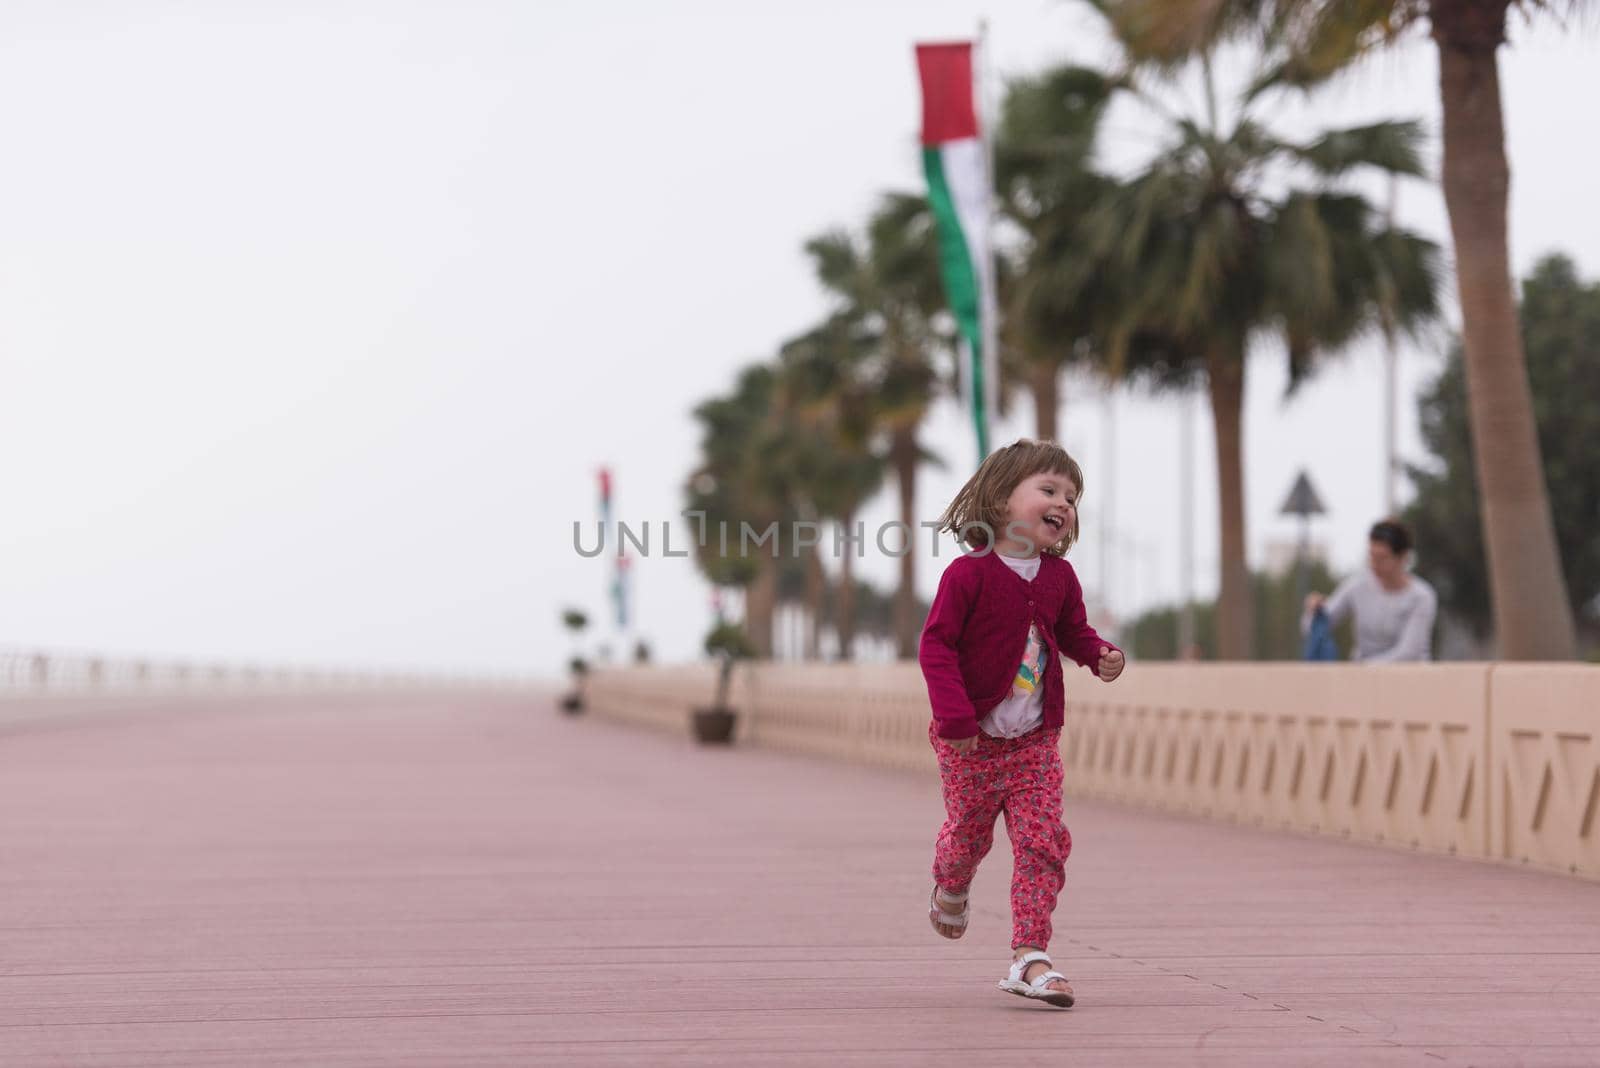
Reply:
x=575, y=621
x=572, y=703
x=714, y=724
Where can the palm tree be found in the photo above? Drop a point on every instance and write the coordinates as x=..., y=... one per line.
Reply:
x=740, y=479
x=830, y=387
x=889, y=288
x=1047, y=186
x=1202, y=256
x=1314, y=40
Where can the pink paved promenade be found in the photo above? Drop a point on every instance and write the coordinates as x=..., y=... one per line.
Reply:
x=473, y=880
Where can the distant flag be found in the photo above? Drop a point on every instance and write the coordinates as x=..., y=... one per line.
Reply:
x=619, y=581
x=956, y=161
x=619, y=591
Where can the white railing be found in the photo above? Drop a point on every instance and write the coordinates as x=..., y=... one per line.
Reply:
x=42, y=673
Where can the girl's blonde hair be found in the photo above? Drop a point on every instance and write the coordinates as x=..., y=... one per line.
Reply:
x=980, y=508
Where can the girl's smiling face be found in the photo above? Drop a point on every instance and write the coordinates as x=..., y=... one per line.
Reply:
x=1041, y=511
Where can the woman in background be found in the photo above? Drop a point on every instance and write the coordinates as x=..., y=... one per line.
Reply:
x=1394, y=610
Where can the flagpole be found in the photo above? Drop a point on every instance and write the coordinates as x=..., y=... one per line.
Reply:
x=1186, y=629
x=1391, y=465
x=989, y=309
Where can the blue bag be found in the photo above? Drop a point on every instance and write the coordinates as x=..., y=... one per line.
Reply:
x=1319, y=638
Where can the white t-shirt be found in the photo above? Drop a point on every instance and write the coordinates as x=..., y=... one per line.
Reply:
x=1024, y=709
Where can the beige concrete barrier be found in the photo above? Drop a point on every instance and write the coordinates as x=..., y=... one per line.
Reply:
x=1544, y=784
x=1480, y=760
x=1383, y=754
x=663, y=698
x=869, y=713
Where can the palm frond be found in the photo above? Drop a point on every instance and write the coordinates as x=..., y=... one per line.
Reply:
x=1394, y=146
x=1165, y=33
x=1317, y=40
x=1411, y=266
x=836, y=261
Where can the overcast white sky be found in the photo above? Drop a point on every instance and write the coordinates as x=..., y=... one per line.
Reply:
x=316, y=319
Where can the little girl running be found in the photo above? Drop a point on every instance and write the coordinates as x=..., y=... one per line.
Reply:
x=991, y=652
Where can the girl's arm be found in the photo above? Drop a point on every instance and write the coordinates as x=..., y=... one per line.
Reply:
x=953, y=714
x=1074, y=636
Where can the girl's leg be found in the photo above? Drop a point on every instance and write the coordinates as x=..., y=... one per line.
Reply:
x=1040, y=842
x=972, y=797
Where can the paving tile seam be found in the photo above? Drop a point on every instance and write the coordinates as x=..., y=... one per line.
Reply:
x=1277, y=1005
x=722, y=1010
x=1361, y=956
x=986, y=1051
x=1240, y=1022
x=559, y=968
x=1203, y=1042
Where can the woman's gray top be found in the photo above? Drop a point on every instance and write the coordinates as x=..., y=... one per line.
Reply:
x=1390, y=625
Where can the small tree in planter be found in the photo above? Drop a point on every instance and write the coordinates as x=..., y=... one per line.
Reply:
x=728, y=644
x=575, y=621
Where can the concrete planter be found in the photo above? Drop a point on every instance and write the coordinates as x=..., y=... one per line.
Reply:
x=714, y=725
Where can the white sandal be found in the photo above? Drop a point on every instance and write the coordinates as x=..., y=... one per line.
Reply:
x=1038, y=989
x=937, y=914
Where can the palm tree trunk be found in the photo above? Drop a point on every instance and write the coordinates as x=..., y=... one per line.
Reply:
x=903, y=457
x=844, y=604
x=816, y=587
x=1225, y=374
x=1046, y=383
x=1532, y=615
x=760, y=602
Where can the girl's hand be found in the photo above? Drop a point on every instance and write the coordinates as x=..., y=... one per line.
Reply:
x=1111, y=663
x=963, y=745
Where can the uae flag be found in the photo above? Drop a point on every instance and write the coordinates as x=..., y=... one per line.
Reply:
x=956, y=160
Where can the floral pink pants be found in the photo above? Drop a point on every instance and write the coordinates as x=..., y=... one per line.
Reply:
x=1022, y=778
